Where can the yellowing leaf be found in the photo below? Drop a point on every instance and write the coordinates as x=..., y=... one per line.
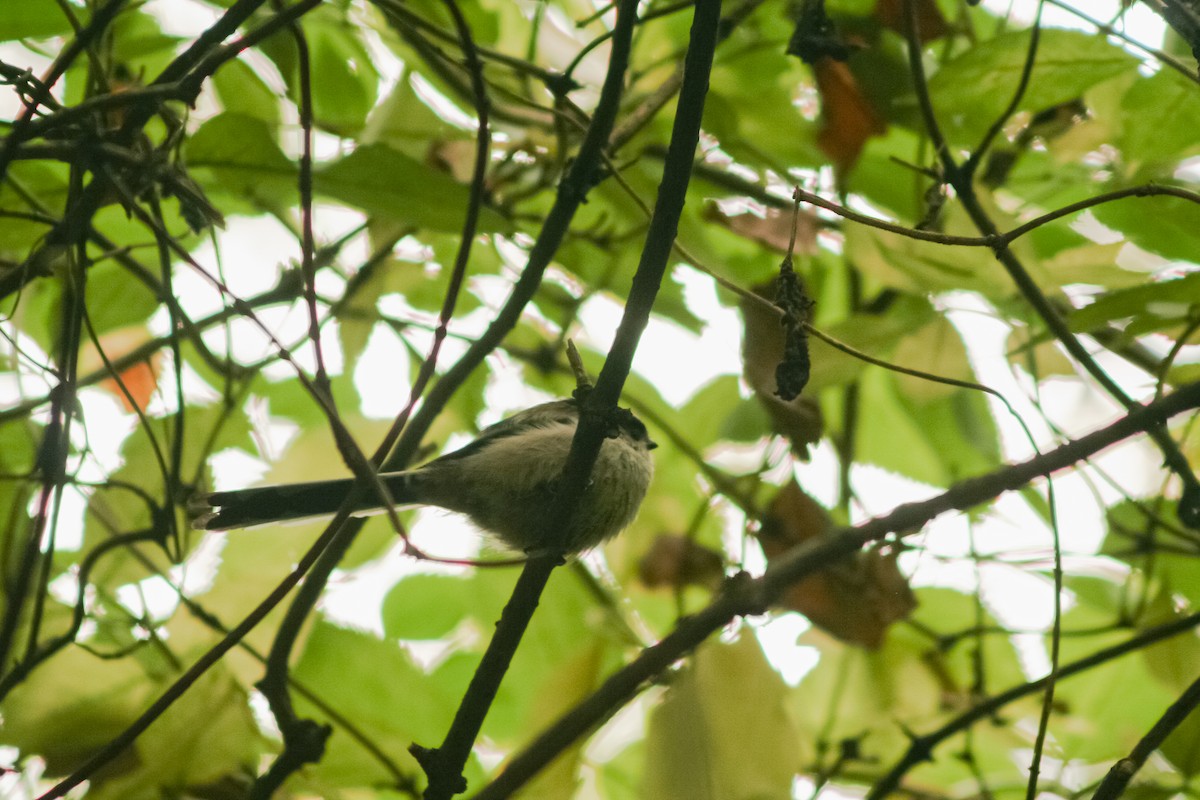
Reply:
x=1042, y=358
x=723, y=731
x=935, y=348
x=64, y=719
x=573, y=680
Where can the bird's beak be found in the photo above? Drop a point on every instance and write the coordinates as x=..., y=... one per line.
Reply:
x=651, y=444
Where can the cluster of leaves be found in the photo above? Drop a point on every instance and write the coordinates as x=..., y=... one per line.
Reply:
x=140, y=150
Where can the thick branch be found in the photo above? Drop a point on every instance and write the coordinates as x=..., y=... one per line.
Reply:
x=444, y=765
x=754, y=595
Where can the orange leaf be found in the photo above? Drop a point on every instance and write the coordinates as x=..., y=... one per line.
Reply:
x=847, y=118
x=140, y=379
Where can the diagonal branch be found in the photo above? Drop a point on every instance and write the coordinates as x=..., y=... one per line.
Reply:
x=1118, y=778
x=749, y=596
x=921, y=747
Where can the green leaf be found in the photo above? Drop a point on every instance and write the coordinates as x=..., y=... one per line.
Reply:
x=766, y=120
x=423, y=286
x=747, y=422
x=242, y=91
x=392, y=702
x=345, y=81
x=65, y=720
x=560, y=657
x=1111, y=706
x=431, y=606
x=1166, y=302
x=570, y=632
x=1134, y=531
x=116, y=299
x=721, y=723
x=1160, y=115
x=954, y=615
x=405, y=123
x=36, y=312
x=1182, y=575
x=937, y=349
x=1167, y=226
x=618, y=778
x=973, y=90
x=878, y=699
x=33, y=20
x=874, y=334
x=874, y=175
x=569, y=684
x=1094, y=264
x=921, y=267
x=711, y=407
x=1099, y=602
x=1172, y=661
x=137, y=42
x=865, y=695
x=124, y=503
x=936, y=442
x=176, y=751
x=18, y=439
x=242, y=154
x=386, y=183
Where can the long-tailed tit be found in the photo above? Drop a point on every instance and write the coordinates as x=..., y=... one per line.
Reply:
x=504, y=481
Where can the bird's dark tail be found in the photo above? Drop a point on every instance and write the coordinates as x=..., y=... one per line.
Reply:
x=243, y=508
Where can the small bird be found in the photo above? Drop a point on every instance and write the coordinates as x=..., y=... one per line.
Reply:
x=504, y=481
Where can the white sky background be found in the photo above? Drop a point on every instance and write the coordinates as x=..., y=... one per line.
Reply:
x=1018, y=598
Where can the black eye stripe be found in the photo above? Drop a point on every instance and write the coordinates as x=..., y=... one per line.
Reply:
x=636, y=428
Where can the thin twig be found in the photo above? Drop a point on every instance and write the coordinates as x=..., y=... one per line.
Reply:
x=985, y=144
x=960, y=180
x=571, y=193
x=96, y=26
x=304, y=740
x=1108, y=30
x=921, y=747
